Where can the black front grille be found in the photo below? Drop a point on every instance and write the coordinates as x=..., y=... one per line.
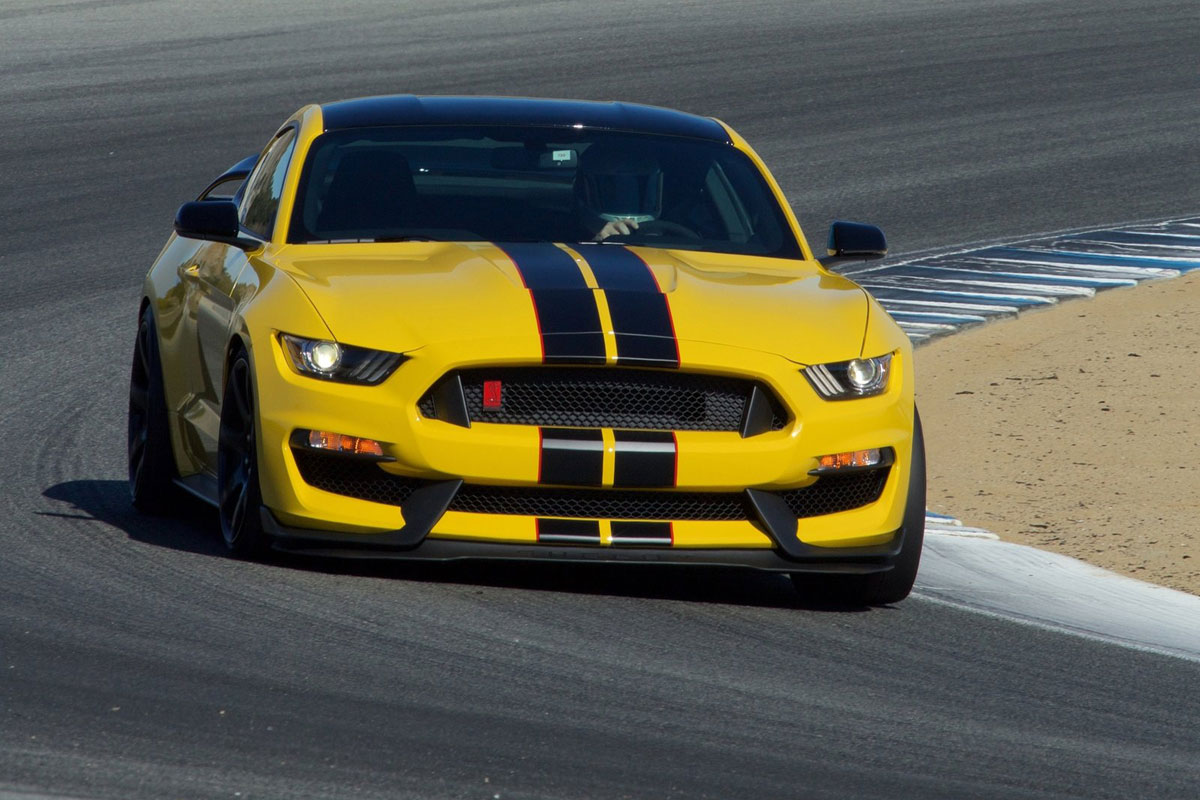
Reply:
x=353, y=477
x=600, y=503
x=366, y=481
x=835, y=493
x=609, y=397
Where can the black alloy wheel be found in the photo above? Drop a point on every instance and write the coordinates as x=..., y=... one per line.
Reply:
x=892, y=586
x=151, y=463
x=895, y=584
x=239, y=495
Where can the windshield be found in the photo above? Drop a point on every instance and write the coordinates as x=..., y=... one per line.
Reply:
x=536, y=184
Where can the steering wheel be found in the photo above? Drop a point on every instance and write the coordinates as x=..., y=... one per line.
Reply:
x=664, y=227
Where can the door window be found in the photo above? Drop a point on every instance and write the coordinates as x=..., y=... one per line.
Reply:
x=264, y=187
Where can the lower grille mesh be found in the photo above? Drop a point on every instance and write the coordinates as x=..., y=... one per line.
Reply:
x=366, y=481
x=600, y=503
x=353, y=477
x=832, y=494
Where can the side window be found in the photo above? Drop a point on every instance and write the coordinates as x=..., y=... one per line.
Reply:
x=265, y=186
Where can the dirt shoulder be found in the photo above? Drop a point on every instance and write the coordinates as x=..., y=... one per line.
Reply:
x=1076, y=429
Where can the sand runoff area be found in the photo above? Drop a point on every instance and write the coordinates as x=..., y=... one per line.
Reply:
x=1076, y=429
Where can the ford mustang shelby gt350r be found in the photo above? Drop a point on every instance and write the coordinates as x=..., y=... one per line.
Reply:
x=440, y=328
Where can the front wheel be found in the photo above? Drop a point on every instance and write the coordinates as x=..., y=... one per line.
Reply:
x=881, y=588
x=152, y=487
x=895, y=584
x=239, y=495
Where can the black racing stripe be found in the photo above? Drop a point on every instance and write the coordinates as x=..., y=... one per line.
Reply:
x=571, y=457
x=640, y=312
x=567, y=317
x=570, y=326
x=544, y=266
x=619, y=269
x=644, y=459
x=645, y=334
x=645, y=534
x=568, y=531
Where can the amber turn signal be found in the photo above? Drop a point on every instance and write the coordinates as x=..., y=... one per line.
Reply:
x=853, y=459
x=341, y=443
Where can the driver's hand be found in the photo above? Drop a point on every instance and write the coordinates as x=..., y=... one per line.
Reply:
x=621, y=227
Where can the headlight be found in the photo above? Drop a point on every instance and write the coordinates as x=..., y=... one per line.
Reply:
x=843, y=380
x=321, y=358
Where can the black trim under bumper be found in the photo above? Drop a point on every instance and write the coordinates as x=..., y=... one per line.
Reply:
x=399, y=545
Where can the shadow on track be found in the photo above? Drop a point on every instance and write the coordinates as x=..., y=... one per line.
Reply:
x=191, y=529
x=194, y=530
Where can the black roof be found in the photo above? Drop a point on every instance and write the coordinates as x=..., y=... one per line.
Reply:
x=411, y=110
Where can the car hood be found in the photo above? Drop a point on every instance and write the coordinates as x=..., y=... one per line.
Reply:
x=401, y=297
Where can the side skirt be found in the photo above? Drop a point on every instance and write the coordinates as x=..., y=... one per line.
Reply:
x=202, y=487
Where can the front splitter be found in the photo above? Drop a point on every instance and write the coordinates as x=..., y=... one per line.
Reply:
x=330, y=544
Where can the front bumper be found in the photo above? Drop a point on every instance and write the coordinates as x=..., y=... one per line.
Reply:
x=491, y=457
x=399, y=545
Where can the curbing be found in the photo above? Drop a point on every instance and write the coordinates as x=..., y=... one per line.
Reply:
x=941, y=293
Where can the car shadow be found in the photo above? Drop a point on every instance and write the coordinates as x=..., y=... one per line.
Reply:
x=193, y=529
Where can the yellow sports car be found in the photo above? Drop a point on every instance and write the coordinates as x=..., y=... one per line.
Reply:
x=442, y=328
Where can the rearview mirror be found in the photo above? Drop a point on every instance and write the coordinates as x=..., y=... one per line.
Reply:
x=854, y=241
x=214, y=221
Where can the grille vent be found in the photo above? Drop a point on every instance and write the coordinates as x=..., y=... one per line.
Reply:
x=366, y=481
x=609, y=397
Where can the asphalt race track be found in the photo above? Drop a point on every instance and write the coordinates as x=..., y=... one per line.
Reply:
x=136, y=661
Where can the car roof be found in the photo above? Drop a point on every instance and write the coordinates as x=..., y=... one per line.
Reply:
x=412, y=110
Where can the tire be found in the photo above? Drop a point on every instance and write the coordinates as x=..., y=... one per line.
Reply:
x=152, y=488
x=238, y=491
x=882, y=588
x=895, y=584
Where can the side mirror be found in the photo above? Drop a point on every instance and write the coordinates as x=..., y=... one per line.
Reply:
x=214, y=221
x=854, y=241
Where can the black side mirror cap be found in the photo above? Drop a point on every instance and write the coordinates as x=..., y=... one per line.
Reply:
x=854, y=241
x=214, y=221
